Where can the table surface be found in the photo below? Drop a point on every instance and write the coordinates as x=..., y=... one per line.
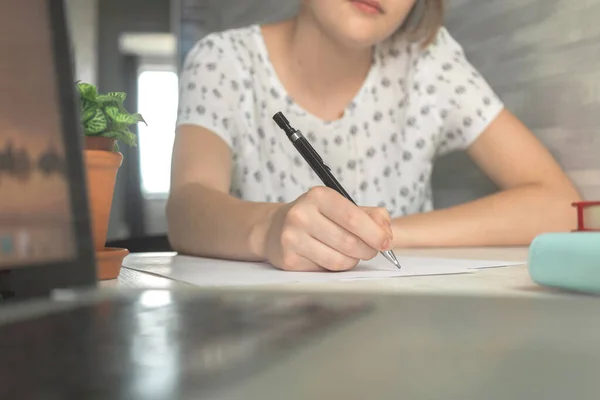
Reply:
x=506, y=281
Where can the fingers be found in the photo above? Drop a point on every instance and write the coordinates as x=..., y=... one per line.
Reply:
x=350, y=217
x=325, y=256
x=322, y=230
x=382, y=217
x=336, y=237
x=304, y=252
x=292, y=261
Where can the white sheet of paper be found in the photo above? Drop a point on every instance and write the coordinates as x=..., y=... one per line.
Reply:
x=471, y=264
x=212, y=272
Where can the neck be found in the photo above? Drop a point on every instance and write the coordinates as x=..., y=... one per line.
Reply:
x=320, y=61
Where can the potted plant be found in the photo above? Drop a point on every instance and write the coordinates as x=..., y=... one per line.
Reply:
x=105, y=123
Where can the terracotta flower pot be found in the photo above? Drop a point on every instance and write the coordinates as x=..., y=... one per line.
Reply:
x=102, y=165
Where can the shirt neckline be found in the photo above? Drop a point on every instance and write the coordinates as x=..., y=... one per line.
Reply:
x=297, y=108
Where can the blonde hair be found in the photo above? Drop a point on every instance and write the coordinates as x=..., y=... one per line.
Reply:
x=424, y=21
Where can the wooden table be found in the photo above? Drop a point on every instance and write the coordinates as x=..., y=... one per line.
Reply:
x=510, y=281
x=504, y=346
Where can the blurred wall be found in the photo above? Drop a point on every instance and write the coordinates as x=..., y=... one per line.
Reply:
x=117, y=72
x=541, y=56
x=196, y=18
x=82, y=17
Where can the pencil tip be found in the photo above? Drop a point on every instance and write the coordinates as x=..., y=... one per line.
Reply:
x=392, y=258
x=395, y=260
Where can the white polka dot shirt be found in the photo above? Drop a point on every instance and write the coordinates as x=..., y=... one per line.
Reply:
x=414, y=105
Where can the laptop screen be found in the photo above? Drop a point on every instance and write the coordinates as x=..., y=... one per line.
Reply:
x=36, y=220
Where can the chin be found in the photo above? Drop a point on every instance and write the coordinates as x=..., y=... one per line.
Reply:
x=352, y=28
x=361, y=35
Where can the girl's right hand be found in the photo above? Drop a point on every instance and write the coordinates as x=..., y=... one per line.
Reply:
x=322, y=230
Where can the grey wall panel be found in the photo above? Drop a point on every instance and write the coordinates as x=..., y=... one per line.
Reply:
x=83, y=26
x=543, y=58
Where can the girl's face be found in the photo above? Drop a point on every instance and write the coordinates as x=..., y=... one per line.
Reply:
x=359, y=23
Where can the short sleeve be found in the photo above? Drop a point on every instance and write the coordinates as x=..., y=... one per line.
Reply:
x=205, y=98
x=464, y=101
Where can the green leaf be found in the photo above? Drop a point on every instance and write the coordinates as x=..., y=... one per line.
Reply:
x=112, y=98
x=88, y=114
x=88, y=110
x=106, y=100
x=87, y=91
x=116, y=147
x=105, y=115
x=124, y=136
x=129, y=138
x=117, y=127
x=140, y=118
x=113, y=112
x=118, y=95
x=120, y=117
x=87, y=104
x=96, y=124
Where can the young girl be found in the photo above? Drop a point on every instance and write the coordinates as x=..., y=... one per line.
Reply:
x=380, y=89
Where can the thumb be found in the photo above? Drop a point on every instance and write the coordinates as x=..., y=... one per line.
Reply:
x=382, y=217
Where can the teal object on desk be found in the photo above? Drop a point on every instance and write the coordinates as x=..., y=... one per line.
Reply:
x=568, y=261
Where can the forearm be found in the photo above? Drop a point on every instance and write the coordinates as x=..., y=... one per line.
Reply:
x=208, y=223
x=512, y=217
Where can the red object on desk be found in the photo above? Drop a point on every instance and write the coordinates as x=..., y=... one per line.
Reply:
x=581, y=206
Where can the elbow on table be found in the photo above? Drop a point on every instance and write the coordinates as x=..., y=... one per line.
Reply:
x=179, y=241
x=175, y=228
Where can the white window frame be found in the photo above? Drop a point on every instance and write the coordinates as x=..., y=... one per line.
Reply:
x=155, y=203
x=155, y=64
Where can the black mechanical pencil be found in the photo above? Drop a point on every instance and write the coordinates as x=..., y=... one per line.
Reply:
x=315, y=161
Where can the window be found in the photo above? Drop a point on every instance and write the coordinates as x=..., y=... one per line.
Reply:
x=157, y=102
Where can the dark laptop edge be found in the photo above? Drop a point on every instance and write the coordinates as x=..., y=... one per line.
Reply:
x=40, y=279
